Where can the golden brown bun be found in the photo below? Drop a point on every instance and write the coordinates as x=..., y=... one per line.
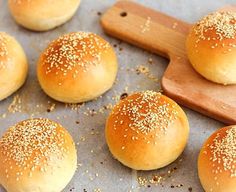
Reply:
x=42, y=15
x=211, y=47
x=217, y=161
x=77, y=67
x=13, y=65
x=36, y=155
x=146, y=131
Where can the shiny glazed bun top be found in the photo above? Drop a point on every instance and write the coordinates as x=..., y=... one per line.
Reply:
x=217, y=161
x=77, y=67
x=211, y=47
x=36, y=155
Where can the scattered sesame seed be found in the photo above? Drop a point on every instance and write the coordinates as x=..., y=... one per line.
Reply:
x=74, y=106
x=142, y=181
x=150, y=61
x=4, y=115
x=51, y=107
x=15, y=105
x=146, y=71
x=146, y=26
x=174, y=25
x=142, y=69
x=157, y=178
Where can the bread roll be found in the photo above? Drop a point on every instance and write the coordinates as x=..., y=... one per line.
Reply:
x=36, y=155
x=217, y=161
x=42, y=15
x=77, y=67
x=211, y=47
x=147, y=131
x=13, y=65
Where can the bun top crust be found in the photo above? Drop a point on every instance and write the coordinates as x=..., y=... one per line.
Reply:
x=73, y=53
x=217, y=31
x=145, y=112
x=221, y=148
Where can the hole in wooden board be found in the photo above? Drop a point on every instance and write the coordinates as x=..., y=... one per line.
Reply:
x=123, y=14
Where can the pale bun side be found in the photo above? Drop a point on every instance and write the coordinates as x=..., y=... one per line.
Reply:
x=147, y=131
x=13, y=65
x=37, y=155
x=42, y=15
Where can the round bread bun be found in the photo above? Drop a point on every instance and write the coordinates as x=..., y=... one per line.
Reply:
x=211, y=47
x=37, y=155
x=77, y=67
x=217, y=161
x=147, y=131
x=13, y=65
x=42, y=15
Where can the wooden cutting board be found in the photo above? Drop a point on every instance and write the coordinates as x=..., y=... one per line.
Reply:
x=165, y=35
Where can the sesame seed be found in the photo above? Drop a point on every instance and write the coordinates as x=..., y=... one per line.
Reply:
x=174, y=25
x=141, y=69
x=15, y=105
x=146, y=26
x=97, y=190
x=142, y=181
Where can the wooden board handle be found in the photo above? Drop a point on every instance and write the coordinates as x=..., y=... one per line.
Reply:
x=146, y=28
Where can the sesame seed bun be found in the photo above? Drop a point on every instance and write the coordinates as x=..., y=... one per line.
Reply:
x=13, y=65
x=42, y=15
x=36, y=155
x=217, y=161
x=211, y=47
x=77, y=67
x=147, y=131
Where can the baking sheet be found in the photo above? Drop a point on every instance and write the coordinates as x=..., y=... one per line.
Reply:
x=138, y=70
